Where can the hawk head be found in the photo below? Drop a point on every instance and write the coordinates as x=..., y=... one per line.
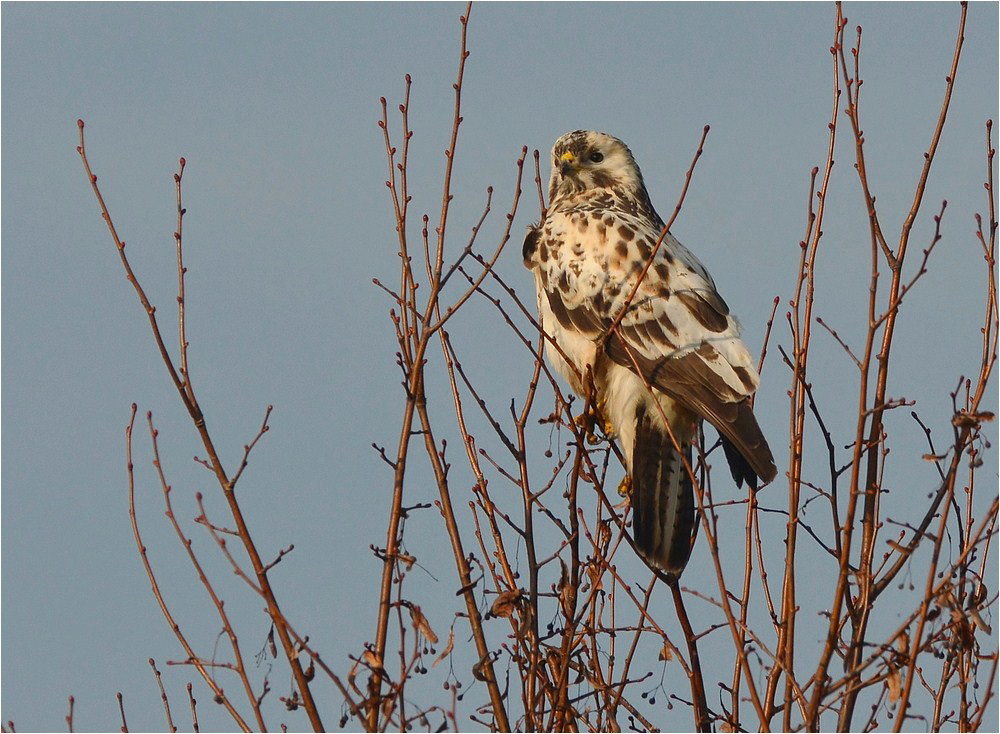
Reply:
x=584, y=159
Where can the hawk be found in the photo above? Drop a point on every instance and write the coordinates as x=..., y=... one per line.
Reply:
x=676, y=353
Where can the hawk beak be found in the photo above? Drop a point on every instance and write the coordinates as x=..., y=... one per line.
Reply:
x=568, y=163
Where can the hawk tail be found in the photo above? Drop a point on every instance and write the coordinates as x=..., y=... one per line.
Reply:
x=662, y=497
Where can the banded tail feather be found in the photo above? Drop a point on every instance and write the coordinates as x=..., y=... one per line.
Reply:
x=663, y=514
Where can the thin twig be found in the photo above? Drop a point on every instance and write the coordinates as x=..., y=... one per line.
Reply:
x=163, y=696
x=121, y=711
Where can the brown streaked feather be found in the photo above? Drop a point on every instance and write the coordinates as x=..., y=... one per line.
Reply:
x=650, y=332
x=687, y=380
x=707, y=307
x=583, y=320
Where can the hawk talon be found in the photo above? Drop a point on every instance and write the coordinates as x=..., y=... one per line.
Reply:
x=625, y=486
x=590, y=418
x=602, y=414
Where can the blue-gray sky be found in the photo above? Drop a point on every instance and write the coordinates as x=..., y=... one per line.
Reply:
x=275, y=108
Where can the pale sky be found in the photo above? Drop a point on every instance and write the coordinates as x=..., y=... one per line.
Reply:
x=274, y=108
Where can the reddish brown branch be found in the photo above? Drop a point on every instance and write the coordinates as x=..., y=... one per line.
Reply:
x=186, y=393
x=163, y=696
x=202, y=577
x=121, y=710
x=195, y=660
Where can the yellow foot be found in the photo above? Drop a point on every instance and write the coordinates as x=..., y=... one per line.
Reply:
x=602, y=415
x=592, y=418
x=587, y=421
x=625, y=486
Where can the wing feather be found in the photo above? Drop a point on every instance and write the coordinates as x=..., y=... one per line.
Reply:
x=691, y=381
x=581, y=318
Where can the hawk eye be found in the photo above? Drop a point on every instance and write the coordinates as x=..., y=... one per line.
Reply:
x=596, y=156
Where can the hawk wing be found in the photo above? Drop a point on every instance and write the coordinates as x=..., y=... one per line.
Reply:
x=677, y=334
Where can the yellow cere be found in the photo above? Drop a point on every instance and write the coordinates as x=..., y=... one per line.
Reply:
x=567, y=157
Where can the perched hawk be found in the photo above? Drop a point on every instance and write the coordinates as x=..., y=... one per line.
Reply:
x=677, y=335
